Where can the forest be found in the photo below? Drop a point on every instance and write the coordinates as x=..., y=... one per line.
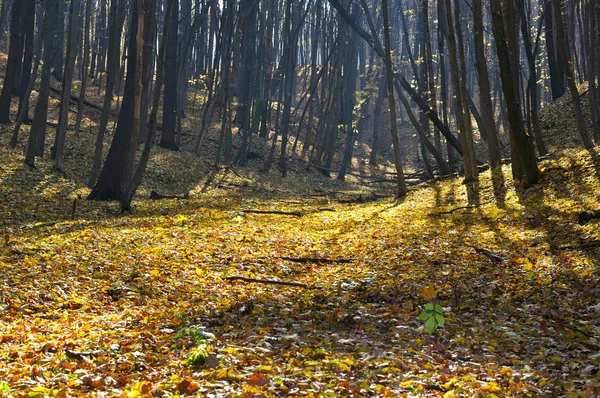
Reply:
x=300, y=198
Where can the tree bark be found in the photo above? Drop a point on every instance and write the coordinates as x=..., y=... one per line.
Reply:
x=524, y=146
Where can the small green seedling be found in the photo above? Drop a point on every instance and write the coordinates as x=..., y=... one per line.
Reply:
x=433, y=315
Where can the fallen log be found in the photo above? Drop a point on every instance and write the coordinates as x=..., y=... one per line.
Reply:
x=270, y=282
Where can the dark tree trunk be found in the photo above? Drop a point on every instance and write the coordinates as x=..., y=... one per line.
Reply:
x=555, y=65
x=563, y=48
x=167, y=139
x=69, y=69
x=523, y=150
x=118, y=166
x=28, y=31
x=59, y=53
x=14, y=60
x=37, y=132
x=86, y=61
x=151, y=128
x=117, y=16
x=485, y=99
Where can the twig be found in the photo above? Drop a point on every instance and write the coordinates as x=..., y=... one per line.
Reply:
x=269, y=282
x=455, y=209
x=488, y=254
x=285, y=213
x=316, y=260
x=585, y=245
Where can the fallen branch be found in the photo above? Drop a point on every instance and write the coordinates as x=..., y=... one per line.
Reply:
x=269, y=282
x=76, y=98
x=305, y=260
x=455, y=209
x=156, y=196
x=488, y=254
x=284, y=213
x=585, y=245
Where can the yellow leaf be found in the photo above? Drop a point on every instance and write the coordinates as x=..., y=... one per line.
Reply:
x=428, y=292
x=199, y=272
x=154, y=272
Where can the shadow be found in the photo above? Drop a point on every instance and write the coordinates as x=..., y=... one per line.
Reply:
x=499, y=187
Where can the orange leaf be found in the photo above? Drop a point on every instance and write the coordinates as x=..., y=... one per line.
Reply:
x=428, y=292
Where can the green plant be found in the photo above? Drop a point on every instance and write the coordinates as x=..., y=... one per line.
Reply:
x=4, y=388
x=433, y=315
x=200, y=353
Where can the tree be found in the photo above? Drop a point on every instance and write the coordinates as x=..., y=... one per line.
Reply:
x=523, y=150
x=401, y=188
x=14, y=61
x=117, y=16
x=37, y=132
x=63, y=119
x=118, y=166
x=167, y=138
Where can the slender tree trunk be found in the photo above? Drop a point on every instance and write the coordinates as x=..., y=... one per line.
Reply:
x=462, y=114
x=59, y=52
x=28, y=31
x=86, y=61
x=37, y=132
x=401, y=188
x=14, y=59
x=63, y=119
x=485, y=99
x=167, y=139
x=117, y=15
x=563, y=48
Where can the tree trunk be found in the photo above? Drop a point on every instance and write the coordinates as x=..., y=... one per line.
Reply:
x=563, y=48
x=523, y=150
x=485, y=99
x=117, y=169
x=117, y=15
x=37, y=132
x=59, y=52
x=401, y=189
x=63, y=118
x=151, y=128
x=14, y=58
x=86, y=61
x=167, y=139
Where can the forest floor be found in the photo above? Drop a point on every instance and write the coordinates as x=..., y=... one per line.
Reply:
x=98, y=303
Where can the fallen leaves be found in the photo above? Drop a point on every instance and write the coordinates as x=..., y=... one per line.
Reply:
x=96, y=305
